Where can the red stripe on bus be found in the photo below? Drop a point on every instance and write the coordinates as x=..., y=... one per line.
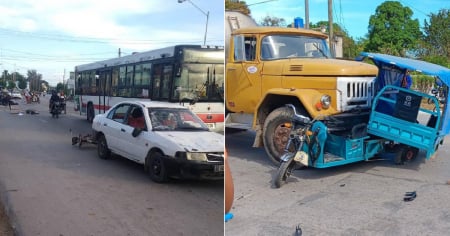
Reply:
x=97, y=107
x=211, y=118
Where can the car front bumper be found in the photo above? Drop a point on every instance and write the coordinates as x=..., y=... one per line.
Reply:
x=194, y=169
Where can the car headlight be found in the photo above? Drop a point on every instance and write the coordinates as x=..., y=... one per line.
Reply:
x=325, y=101
x=196, y=156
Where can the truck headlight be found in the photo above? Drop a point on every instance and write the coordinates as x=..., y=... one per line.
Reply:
x=196, y=156
x=325, y=101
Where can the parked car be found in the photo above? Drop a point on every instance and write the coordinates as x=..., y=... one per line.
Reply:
x=15, y=95
x=168, y=139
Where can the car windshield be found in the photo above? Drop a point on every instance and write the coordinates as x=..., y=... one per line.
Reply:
x=175, y=119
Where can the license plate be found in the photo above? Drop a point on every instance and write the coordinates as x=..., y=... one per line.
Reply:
x=211, y=125
x=218, y=168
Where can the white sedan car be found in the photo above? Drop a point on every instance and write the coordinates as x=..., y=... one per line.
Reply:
x=168, y=139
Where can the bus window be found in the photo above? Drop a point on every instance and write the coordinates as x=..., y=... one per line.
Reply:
x=165, y=83
x=146, y=82
x=115, y=81
x=157, y=74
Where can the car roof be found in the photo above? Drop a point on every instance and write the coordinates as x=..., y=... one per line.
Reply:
x=154, y=104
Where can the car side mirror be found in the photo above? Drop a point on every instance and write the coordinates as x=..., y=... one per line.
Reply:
x=136, y=132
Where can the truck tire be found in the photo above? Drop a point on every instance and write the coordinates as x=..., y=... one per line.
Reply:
x=275, y=133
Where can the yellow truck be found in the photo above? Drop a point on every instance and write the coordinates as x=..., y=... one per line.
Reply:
x=269, y=67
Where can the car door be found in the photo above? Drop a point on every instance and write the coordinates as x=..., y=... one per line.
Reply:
x=114, y=128
x=135, y=147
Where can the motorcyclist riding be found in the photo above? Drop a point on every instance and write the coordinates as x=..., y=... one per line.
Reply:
x=53, y=98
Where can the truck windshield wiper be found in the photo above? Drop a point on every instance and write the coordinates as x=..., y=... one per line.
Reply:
x=320, y=50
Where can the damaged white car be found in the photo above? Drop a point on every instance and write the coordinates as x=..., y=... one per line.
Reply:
x=168, y=139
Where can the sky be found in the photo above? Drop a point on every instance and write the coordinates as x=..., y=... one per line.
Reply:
x=353, y=15
x=54, y=36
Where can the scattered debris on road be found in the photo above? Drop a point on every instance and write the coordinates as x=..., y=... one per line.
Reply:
x=298, y=231
x=409, y=196
x=88, y=138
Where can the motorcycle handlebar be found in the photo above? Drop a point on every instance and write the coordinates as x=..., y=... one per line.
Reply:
x=298, y=117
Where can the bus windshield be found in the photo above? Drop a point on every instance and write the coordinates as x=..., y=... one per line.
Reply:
x=201, y=76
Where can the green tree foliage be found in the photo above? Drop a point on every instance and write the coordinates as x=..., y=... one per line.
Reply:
x=391, y=29
x=272, y=21
x=22, y=83
x=423, y=83
x=11, y=85
x=240, y=6
x=437, y=38
x=349, y=47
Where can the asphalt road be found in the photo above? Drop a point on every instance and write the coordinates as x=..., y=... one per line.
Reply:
x=50, y=187
x=358, y=199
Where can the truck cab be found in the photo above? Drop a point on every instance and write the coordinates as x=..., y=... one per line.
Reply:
x=268, y=67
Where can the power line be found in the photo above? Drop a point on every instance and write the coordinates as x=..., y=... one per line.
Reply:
x=409, y=5
x=60, y=38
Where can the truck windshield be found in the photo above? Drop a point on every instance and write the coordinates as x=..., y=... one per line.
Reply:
x=275, y=47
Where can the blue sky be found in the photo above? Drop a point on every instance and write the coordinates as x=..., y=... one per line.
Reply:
x=53, y=36
x=352, y=14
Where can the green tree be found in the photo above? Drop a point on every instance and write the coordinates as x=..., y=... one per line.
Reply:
x=437, y=36
x=11, y=85
x=240, y=6
x=391, y=29
x=349, y=46
x=59, y=87
x=22, y=83
x=272, y=21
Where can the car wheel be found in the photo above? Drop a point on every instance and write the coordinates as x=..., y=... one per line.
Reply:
x=156, y=168
x=102, y=148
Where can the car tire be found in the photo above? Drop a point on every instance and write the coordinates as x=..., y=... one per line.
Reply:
x=156, y=168
x=102, y=148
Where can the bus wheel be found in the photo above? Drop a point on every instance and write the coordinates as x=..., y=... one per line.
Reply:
x=90, y=113
x=275, y=133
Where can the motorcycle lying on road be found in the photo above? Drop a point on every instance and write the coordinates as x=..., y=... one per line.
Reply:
x=296, y=153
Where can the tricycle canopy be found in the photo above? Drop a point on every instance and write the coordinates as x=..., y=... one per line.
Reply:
x=383, y=62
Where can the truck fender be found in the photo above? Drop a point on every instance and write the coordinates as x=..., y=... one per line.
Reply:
x=277, y=97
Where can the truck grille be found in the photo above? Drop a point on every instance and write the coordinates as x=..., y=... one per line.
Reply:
x=355, y=92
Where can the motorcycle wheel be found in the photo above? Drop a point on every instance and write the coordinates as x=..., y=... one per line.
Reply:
x=283, y=172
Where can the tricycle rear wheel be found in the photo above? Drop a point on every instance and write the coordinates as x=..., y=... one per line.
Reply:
x=406, y=153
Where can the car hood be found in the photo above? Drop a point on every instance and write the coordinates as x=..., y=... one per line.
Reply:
x=195, y=141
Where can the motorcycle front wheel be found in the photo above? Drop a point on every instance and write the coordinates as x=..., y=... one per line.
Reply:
x=283, y=172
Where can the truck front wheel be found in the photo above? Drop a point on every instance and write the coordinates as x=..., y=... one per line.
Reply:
x=276, y=133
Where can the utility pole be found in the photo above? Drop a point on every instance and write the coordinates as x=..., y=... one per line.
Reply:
x=330, y=28
x=64, y=85
x=306, y=14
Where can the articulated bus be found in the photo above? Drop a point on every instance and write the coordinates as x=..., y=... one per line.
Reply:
x=191, y=75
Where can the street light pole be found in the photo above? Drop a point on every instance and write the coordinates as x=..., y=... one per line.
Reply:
x=204, y=13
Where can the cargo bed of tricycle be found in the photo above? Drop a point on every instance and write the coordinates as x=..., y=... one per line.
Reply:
x=395, y=117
